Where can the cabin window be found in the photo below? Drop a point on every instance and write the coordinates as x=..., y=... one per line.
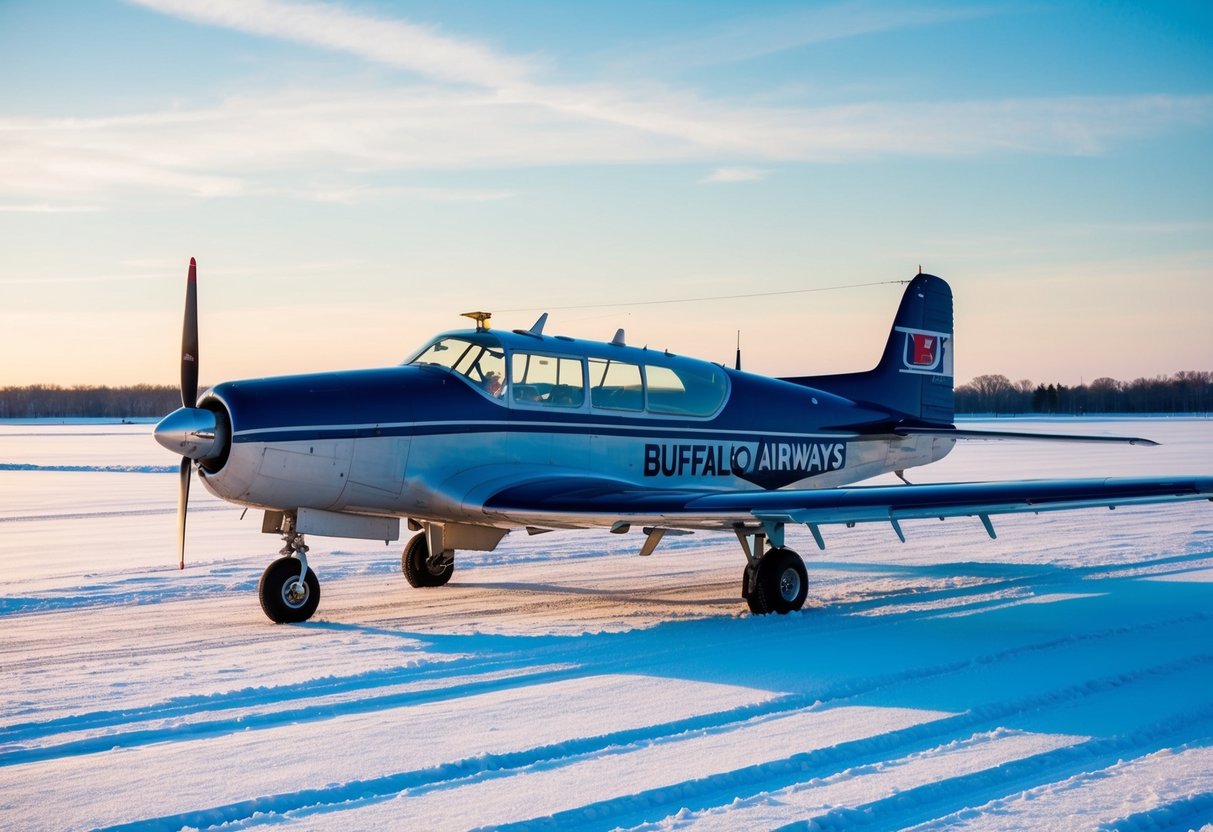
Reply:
x=616, y=385
x=547, y=380
x=685, y=389
x=482, y=364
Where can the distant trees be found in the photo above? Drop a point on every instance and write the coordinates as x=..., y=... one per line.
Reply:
x=48, y=400
x=1189, y=391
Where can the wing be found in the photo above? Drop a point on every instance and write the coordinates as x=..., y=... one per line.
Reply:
x=963, y=433
x=580, y=500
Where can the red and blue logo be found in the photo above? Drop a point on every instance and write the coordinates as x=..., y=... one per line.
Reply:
x=927, y=352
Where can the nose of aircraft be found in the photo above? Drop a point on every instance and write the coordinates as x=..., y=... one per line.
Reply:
x=193, y=432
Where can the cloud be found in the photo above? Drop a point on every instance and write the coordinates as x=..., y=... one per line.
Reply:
x=269, y=144
x=722, y=175
x=749, y=38
x=382, y=40
x=477, y=108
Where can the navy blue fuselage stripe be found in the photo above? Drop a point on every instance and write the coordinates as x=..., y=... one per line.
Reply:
x=664, y=432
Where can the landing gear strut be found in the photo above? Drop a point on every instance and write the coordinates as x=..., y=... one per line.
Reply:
x=289, y=591
x=774, y=580
x=420, y=568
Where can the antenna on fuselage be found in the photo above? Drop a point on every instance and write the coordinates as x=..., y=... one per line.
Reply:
x=619, y=340
x=738, y=350
x=537, y=327
x=481, y=319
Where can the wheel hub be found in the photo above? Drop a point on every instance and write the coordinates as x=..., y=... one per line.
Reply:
x=789, y=585
x=295, y=593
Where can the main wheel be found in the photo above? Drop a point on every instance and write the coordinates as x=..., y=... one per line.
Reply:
x=416, y=565
x=781, y=584
x=283, y=601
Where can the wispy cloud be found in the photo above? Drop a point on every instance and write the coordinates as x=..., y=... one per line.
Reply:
x=727, y=175
x=478, y=108
x=383, y=40
x=268, y=144
x=748, y=38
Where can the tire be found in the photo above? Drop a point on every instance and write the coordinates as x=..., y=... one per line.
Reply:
x=753, y=599
x=274, y=590
x=415, y=563
x=782, y=583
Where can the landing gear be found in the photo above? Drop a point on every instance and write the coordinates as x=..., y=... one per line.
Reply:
x=422, y=570
x=778, y=584
x=774, y=580
x=289, y=591
x=287, y=597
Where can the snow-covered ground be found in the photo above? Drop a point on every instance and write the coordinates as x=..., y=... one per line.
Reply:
x=1060, y=676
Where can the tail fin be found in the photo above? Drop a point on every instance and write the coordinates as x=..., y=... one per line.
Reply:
x=914, y=376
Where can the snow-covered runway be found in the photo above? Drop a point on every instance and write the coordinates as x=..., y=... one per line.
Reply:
x=1060, y=676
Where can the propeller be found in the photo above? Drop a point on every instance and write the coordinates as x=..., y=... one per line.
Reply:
x=189, y=340
x=194, y=432
x=189, y=397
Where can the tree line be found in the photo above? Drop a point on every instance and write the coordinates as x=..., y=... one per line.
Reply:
x=1188, y=391
x=41, y=401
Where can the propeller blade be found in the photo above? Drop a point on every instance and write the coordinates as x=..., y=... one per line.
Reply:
x=183, y=499
x=189, y=340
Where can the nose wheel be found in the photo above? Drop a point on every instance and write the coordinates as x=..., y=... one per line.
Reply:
x=286, y=596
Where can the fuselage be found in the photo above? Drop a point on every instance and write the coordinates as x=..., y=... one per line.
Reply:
x=423, y=440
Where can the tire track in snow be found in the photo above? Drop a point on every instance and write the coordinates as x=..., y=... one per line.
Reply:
x=904, y=806
x=775, y=775
x=720, y=789
x=1189, y=813
x=1036, y=578
x=938, y=801
x=572, y=655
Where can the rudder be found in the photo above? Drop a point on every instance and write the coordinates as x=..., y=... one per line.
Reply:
x=915, y=375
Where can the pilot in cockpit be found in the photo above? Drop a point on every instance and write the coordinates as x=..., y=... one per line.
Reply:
x=494, y=384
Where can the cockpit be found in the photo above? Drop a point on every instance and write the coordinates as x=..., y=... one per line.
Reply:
x=545, y=376
x=479, y=359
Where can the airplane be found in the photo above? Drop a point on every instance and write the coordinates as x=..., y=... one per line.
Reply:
x=482, y=432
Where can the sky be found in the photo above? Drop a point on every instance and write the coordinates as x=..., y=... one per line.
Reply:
x=352, y=176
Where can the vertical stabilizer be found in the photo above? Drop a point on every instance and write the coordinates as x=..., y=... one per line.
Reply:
x=914, y=377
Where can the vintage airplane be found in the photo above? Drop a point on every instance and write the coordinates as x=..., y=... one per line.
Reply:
x=482, y=432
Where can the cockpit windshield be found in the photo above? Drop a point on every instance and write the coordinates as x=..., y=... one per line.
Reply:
x=480, y=360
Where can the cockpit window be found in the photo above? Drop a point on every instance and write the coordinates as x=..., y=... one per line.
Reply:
x=615, y=385
x=547, y=380
x=481, y=362
x=685, y=388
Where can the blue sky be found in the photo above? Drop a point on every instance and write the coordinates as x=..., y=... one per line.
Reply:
x=352, y=176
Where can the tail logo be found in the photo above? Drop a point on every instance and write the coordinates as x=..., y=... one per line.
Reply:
x=924, y=349
x=926, y=352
